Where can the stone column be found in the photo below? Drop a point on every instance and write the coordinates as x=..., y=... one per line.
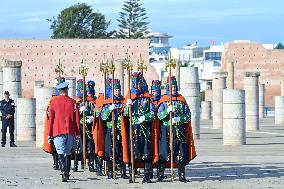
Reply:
x=208, y=91
x=38, y=84
x=190, y=89
x=206, y=110
x=230, y=78
x=72, y=86
x=261, y=100
x=279, y=110
x=12, y=78
x=252, y=100
x=219, y=84
x=26, y=112
x=177, y=73
x=282, y=83
x=208, y=95
x=12, y=82
x=42, y=95
x=234, y=132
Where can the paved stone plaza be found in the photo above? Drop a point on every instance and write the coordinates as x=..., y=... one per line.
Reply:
x=259, y=164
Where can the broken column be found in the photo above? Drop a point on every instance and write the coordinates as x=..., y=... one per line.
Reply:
x=230, y=78
x=279, y=110
x=234, y=132
x=42, y=95
x=190, y=89
x=71, y=86
x=177, y=73
x=12, y=82
x=219, y=84
x=12, y=78
x=252, y=100
x=38, y=84
x=282, y=83
x=261, y=88
x=26, y=112
x=206, y=110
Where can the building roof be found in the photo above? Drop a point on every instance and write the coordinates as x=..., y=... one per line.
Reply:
x=158, y=34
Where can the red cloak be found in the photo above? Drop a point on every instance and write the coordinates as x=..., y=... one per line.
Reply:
x=125, y=146
x=189, y=135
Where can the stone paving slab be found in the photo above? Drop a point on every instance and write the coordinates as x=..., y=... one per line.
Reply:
x=259, y=164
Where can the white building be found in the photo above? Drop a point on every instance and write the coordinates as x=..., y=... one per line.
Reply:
x=159, y=46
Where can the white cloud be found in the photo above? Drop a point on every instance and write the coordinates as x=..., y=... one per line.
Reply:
x=33, y=20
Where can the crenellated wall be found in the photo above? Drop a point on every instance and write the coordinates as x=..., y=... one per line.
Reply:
x=40, y=57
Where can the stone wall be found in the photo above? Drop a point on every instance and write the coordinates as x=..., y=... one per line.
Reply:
x=253, y=57
x=40, y=57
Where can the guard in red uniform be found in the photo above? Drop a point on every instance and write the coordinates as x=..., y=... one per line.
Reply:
x=64, y=126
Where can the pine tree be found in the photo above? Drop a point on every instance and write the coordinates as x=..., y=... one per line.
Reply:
x=132, y=21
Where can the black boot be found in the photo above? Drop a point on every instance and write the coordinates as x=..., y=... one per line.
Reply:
x=100, y=167
x=13, y=144
x=146, y=178
x=109, y=170
x=68, y=165
x=75, y=169
x=63, y=168
x=123, y=171
x=55, y=161
x=82, y=164
x=160, y=172
x=96, y=164
x=151, y=175
x=130, y=174
x=181, y=173
x=91, y=164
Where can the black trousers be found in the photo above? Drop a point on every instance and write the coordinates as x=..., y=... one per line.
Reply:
x=5, y=124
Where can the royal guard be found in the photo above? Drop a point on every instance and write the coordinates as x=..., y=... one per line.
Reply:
x=145, y=85
x=63, y=127
x=113, y=105
x=156, y=96
x=143, y=114
x=88, y=107
x=183, y=143
x=90, y=104
x=91, y=93
x=98, y=134
x=50, y=148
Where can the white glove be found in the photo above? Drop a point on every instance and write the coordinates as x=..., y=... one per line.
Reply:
x=90, y=119
x=129, y=102
x=111, y=107
x=175, y=120
x=83, y=108
x=49, y=139
x=170, y=109
x=141, y=119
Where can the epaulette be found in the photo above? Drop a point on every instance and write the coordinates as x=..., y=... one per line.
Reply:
x=77, y=99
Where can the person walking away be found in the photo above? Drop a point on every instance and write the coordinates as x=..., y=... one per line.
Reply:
x=64, y=127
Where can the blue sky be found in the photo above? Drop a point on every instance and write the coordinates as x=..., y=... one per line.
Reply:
x=188, y=21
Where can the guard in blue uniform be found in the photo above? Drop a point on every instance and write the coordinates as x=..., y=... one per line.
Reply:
x=88, y=107
x=7, y=110
x=143, y=114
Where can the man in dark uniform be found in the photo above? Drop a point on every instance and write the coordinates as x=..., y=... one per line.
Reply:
x=8, y=110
